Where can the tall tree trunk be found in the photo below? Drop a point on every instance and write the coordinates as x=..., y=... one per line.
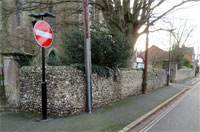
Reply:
x=132, y=35
x=131, y=32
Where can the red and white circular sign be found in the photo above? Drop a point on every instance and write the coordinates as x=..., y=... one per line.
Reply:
x=43, y=33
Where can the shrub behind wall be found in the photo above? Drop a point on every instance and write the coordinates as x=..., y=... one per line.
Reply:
x=106, y=50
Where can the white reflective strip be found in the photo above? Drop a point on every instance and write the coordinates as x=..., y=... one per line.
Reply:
x=43, y=34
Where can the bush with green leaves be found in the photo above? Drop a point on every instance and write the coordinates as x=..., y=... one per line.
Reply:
x=107, y=50
x=187, y=63
x=178, y=57
x=23, y=60
x=100, y=70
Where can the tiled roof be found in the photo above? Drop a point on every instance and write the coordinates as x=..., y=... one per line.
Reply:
x=153, y=52
x=188, y=50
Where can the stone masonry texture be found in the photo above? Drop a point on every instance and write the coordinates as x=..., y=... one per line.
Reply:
x=66, y=88
x=183, y=74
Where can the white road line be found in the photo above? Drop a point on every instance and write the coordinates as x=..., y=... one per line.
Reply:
x=43, y=34
x=152, y=123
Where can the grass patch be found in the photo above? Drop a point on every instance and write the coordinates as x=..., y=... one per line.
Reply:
x=118, y=104
x=154, y=69
x=115, y=127
x=2, y=107
x=24, y=116
x=130, y=69
x=18, y=115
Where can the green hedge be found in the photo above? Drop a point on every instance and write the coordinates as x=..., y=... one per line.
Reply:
x=100, y=70
x=107, y=51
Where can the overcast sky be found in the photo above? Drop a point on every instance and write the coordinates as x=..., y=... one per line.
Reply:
x=190, y=13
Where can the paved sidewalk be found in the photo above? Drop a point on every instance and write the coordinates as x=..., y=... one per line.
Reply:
x=108, y=118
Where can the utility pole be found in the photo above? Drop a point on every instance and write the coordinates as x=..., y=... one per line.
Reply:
x=198, y=55
x=87, y=47
x=197, y=63
x=144, y=87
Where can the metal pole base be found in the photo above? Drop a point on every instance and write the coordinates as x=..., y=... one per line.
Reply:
x=44, y=101
x=43, y=120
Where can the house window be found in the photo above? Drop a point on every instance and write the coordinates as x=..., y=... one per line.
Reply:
x=52, y=55
x=18, y=13
x=52, y=58
x=192, y=58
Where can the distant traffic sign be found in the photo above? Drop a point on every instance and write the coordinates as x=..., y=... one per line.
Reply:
x=43, y=33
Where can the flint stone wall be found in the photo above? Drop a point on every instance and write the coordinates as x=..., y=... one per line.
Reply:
x=66, y=88
x=183, y=74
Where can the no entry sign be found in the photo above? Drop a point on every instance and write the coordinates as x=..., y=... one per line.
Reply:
x=43, y=33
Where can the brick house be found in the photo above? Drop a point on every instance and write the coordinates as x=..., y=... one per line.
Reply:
x=155, y=57
x=189, y=54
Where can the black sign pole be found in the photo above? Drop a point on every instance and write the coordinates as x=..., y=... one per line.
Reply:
x=43, y=84
x=44, y=87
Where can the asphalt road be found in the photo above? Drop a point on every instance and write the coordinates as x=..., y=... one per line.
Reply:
x=182, y=116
